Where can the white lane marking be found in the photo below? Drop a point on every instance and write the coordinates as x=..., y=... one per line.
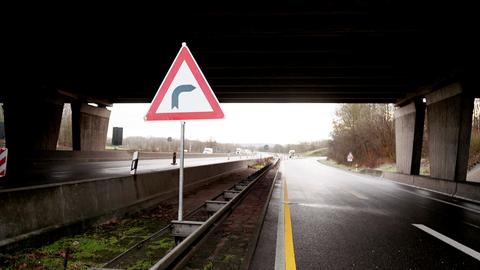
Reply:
x=358, y=195
x=473, y=225
x=372, y=179
x=344, y=208
x=439, y=200
x=280, y=250
x=378, y=183
x=449, y=241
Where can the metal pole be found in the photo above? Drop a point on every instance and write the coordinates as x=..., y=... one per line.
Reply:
x=180, y=182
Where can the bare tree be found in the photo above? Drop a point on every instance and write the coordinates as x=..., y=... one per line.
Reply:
x=366, y=130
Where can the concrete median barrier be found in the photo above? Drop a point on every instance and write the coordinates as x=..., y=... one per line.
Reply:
x=398, y=177
x=463, y=190
x=469, y=191
x=442, y=186
x=31, y=211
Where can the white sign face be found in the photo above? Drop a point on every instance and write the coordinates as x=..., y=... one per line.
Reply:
x=191, y=99
x=350, y=157
x=184, y=93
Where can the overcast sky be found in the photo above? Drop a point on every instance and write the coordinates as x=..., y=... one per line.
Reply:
x=243, y=123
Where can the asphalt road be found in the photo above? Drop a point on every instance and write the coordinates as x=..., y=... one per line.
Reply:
x=342, y=220
x=57, y=172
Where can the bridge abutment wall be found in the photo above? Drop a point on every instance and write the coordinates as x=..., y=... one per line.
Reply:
x=89, y=127
x=449, y=112
x=409, y=120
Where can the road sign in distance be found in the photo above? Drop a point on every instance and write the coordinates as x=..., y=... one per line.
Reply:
x=350, y=157
x=117, y=138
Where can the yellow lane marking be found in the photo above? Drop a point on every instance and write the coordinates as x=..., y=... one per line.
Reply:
x=289, y=248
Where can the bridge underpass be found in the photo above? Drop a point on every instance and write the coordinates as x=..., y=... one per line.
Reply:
x=359, y=53
x=339, y=53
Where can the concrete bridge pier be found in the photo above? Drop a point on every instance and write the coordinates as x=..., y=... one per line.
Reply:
x=31, y=125
x=449, y=111
x=409, y=121
x=89, y=127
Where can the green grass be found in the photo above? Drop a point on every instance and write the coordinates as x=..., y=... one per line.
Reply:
x=208, y=266
x=90, y=249
x=231, y=259
x=165, y=243
x=85, y=251
x=387, y=167
x=141, y=265
x=332, y=163
x=321, y=152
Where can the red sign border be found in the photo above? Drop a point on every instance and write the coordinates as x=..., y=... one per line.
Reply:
x=184, y=55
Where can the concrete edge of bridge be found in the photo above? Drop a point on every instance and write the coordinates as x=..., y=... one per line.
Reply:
x=468, y=191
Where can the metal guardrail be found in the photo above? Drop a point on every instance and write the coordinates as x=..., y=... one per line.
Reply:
x=169, y=260
x=233, y=197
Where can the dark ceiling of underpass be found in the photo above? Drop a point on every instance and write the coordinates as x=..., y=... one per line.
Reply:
x=340, y=51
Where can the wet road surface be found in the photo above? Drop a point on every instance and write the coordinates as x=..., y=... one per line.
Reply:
x=57, y=172
x=343, y=220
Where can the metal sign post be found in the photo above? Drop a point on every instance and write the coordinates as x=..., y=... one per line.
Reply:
x=180, y=178
x=184, y=94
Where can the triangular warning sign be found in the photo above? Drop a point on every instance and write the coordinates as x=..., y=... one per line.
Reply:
x=184, y=93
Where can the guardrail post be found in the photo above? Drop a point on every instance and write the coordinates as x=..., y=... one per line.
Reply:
x=174, y=158
x=3, y=161
x=133, y=166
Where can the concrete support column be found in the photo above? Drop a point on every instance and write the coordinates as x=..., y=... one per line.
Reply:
x=409, y=121
x=449, y=112
x=31, y=125
x=89, y=127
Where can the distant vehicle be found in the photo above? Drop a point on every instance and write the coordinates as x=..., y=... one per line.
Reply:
x=238, y=151
x=291, y=153
x=208, y=150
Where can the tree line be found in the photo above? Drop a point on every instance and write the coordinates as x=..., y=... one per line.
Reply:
x=164, y=144
x=368, y=132
x=365, y=130
x=302, y=147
